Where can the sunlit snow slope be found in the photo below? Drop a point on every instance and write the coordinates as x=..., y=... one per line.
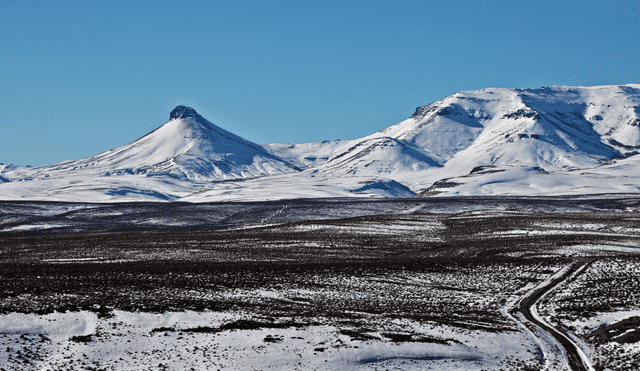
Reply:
x=557, y=139
x=529, y=141
x=186, y=147
x=178, y=158
x=555, y=128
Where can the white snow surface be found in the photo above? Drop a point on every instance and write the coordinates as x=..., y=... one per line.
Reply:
x=8, y=167
x=552, y=140
x=128, y=341
x=187, y=147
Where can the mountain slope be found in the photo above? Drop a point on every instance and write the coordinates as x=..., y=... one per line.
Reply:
x=559, y=139
x=622, y=176
x=187, y=147
x=378, y=156
x=307, y=155
x=530, y=141
x=556, y=127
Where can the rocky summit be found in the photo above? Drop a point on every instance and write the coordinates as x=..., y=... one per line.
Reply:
x=181, y=112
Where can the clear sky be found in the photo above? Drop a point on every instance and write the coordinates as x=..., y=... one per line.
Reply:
x=81, y=77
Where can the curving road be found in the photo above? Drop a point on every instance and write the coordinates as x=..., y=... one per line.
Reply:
x=577, y=359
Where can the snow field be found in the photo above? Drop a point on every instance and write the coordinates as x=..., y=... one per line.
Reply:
x=144, y=341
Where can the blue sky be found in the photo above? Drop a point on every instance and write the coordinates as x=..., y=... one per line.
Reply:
x=81, y=77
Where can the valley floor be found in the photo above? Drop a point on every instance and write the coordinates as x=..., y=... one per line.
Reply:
x=407, y=290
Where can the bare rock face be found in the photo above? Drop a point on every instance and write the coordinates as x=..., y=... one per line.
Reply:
x=424, y=110
x=181, y=112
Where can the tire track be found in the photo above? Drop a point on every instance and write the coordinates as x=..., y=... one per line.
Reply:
x=527, y=306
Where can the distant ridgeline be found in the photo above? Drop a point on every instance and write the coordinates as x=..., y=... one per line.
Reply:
x=553, y=140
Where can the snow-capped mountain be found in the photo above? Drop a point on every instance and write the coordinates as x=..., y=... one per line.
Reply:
x=186, y=147
x=492, y=141
x=555, y=128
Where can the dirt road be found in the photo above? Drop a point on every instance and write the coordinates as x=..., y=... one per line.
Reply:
x=577, y=359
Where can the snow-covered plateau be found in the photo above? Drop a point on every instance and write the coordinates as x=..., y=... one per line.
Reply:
x=557, y=140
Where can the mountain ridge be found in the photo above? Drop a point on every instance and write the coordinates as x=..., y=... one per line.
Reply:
x=560, y=130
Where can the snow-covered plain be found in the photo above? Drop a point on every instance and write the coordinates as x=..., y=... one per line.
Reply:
x=184, y=341
x=553, y=140
x=429, y=285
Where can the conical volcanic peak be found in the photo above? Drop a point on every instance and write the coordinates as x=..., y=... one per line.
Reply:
x=187, y=147
x=181, y=112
